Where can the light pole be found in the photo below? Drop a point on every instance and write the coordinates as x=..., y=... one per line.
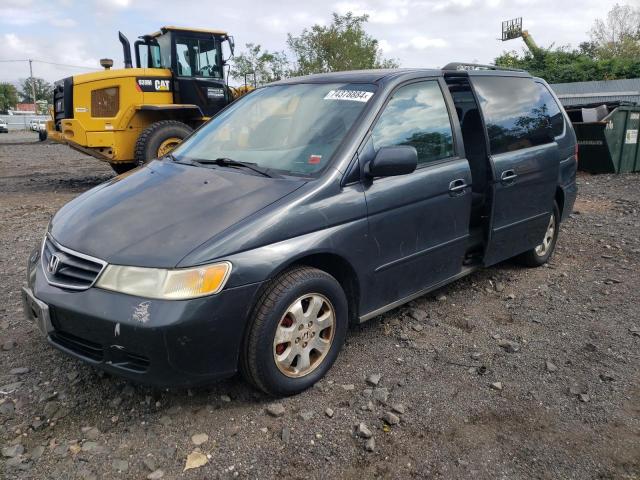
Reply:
x=33, y=88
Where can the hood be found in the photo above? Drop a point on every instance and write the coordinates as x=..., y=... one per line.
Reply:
x=156, y=215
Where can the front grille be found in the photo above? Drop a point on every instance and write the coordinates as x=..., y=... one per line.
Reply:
x=66, y=268
x=78, y=345
x=105, y=102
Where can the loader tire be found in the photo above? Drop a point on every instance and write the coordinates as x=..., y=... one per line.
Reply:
x=158, y=139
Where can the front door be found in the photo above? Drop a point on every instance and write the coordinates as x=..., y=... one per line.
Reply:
x=525, y=163
x=199, y=78
x=418, y=223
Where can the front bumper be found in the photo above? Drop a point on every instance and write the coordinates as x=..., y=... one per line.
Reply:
x=158, y=342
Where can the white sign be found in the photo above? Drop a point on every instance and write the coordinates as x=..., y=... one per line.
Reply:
x=631, y=137
x=350, y=95
x=635, y=116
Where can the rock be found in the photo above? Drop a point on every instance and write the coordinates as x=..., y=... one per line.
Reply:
x=373, y=379
x=9, y=345
x=199, y=438
x=476, y=355
x=10, y=387
x=92, y=447
x=275, y=410
x=551, y=367
x=195, y=459
x=50, y=409
x=509, y=346
x=418, y=314
x=370, y=445
x=381, y=395
x=607, y=377
x=225, y=398
x=155, y=475
x=7, y=408
x=150, y=463
x=115, y=402
x=164, y=421
x=391, y=418
x=13, y=450
x=367, y=392
x=36, y=453
x=363, y=431
x=584, y=397
x=404, y=337
x=499, y=286
x=285, y=435
x=234, y=430
x=496, y=385
x=19, y=371
x=72, y=375
x=328, y=412
x=511, y=296
x=348, y=387
x=398, y=408
x=120, y=465
x=306, y=415
x=417, y=327
x=17, y=463
x=91, y=433
x=441, y=298
x=635, y=331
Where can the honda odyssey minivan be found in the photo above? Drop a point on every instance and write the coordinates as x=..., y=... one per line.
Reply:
x=306, y=205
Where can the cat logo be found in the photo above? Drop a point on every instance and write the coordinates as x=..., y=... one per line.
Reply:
x=162, y=85
x=153, y=84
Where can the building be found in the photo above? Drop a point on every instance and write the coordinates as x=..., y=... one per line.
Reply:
x=603, y=91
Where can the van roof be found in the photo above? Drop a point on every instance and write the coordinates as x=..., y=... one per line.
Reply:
x=377, y=75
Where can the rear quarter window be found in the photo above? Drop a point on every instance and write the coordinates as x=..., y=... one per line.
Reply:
x=515, y=111
x=553, y=110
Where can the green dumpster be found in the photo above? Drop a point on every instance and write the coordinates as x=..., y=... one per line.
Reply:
x=611, y=144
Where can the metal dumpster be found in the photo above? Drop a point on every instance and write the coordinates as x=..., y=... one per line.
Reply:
x=609, y=145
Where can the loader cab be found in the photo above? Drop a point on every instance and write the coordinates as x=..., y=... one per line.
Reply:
x=196, y=61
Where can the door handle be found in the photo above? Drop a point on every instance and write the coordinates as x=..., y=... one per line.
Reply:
x=456, y=187
x=508, y=176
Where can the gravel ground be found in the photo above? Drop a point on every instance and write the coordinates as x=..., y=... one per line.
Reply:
x=508, y=373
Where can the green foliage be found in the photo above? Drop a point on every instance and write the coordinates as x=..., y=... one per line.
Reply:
x=612, y=53
x=8, y=97
x=342, y=45
x=44, y=90
x=258, y=67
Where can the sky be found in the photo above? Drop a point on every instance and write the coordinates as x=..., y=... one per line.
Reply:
x=418, y=33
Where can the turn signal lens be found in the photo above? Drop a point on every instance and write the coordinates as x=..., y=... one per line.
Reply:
x=173, y=284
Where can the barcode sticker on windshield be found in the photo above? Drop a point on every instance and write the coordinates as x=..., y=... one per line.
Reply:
x=350, y=95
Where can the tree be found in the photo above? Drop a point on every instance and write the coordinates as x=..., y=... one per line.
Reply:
x=8, y=97
x=618, y=35
x=343, y=45
x=44, y=90
x=258, y=67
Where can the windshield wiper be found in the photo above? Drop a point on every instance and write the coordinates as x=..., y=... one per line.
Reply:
x=228, y=162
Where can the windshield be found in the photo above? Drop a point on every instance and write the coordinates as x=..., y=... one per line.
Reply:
x=197, y=57
x=290, y=128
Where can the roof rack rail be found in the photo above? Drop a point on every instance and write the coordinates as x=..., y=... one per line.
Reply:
x=477, y=66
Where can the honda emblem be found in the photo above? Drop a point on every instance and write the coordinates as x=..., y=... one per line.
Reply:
x=54, y=264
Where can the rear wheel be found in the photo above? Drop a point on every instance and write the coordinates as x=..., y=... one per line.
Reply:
x=160, y=138
x=297, y=331
x=42, y=135
x=541, y=254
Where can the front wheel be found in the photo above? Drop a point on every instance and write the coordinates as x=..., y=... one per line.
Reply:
x=160, y=138
x=42, y=135
x=298, y=328
x=541, y=254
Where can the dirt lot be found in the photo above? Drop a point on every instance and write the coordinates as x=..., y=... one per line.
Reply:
x=560, y=400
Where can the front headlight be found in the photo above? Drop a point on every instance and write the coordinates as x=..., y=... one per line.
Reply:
x=174, y=284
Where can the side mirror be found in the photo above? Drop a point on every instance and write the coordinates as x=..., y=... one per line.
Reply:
x=391, y=161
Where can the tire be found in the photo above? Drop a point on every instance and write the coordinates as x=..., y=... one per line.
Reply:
x=123, y=167
x=42, y=135
x=272, y=314
x=538, y=256
x=155, y=135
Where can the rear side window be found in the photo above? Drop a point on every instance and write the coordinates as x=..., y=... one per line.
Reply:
x=417, y=116
x=515, y=113
x=553, y=110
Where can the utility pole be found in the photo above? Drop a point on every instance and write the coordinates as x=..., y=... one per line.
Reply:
x=33, y=87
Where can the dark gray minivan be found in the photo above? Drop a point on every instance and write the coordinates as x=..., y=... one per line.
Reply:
x=305, y=205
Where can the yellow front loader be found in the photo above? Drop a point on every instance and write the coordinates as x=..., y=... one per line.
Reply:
x=132, y=115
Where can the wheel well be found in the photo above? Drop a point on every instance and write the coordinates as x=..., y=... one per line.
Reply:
x=559, y=198
x=341, y=270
